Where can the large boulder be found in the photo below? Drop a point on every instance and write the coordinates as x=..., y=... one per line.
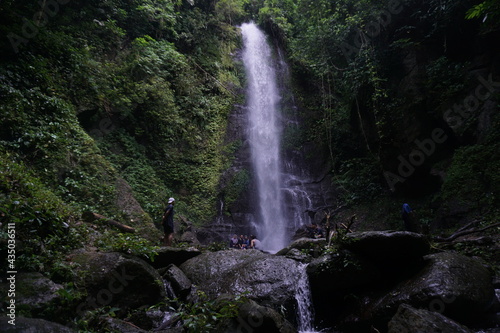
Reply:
x=269, y=279
x=110, y=324
x=32, y=325
x=35, y=292
x=341, y=272
x=172, y=255
x=299, y=256
x=115, y=279
x=253, y=317
x=389, y=247
x=459, y=287
x=311, y=245
x=411, y=320
x=180, y=283
x=397, y=254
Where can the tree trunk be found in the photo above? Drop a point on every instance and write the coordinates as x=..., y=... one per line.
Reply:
x=91, y=217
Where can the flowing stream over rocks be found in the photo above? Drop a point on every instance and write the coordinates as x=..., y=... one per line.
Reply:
x=305, y=309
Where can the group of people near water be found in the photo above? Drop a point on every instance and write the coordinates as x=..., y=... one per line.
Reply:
x=244, y=242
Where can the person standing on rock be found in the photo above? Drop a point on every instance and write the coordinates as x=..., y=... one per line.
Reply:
x=168, y=222
x=407, y=215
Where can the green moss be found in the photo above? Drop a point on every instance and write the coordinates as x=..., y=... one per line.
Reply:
x=237, y=185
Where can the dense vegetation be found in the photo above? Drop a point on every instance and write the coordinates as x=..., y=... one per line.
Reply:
x=376, y=79
x=139, y=90
x=101, y=93
x=110, y=107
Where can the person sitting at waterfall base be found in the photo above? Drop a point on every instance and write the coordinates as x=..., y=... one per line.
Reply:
x=311, y=230
x=254, y=243
x=233, y=242
x=246, y=242
x=168, y=222
x=319, y=232
x=241, y=242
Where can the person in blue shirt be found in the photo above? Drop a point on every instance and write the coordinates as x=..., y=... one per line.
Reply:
x=407, y=214
x=246, y=242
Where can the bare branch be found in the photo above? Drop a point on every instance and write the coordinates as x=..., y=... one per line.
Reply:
x=464, y=232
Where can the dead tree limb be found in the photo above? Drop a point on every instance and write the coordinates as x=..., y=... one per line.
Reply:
x=468, y=226
x=464, y=232
x=351, y=222
x=91, y=217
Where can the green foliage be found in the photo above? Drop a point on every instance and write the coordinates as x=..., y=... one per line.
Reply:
x=230, y=11
x=473, y=178
x=92, y=322
x=488, y=11
x=216, y=246
x=237, y=185
x=129, y=157
x=476, y=11
x=445, y=79
x=359, y=180
x=135, y=69
x=203, y=315
x=44, y=224
x=128, y=243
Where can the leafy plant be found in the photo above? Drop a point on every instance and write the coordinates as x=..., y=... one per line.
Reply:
x=92, y=321
x=359, y=180
x=128, y=243
x=203, y=315
x=488, y=11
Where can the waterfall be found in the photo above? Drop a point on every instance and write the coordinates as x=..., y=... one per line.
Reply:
x=264, y=135
x=305, y=313
x=282, y=198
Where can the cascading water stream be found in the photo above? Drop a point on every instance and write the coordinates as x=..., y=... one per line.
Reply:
x=264, y=136
x=305, y=313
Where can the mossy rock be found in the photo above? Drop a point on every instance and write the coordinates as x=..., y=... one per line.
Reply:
x=118, y=280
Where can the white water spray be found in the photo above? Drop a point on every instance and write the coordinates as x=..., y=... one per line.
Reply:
x=264, y=136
